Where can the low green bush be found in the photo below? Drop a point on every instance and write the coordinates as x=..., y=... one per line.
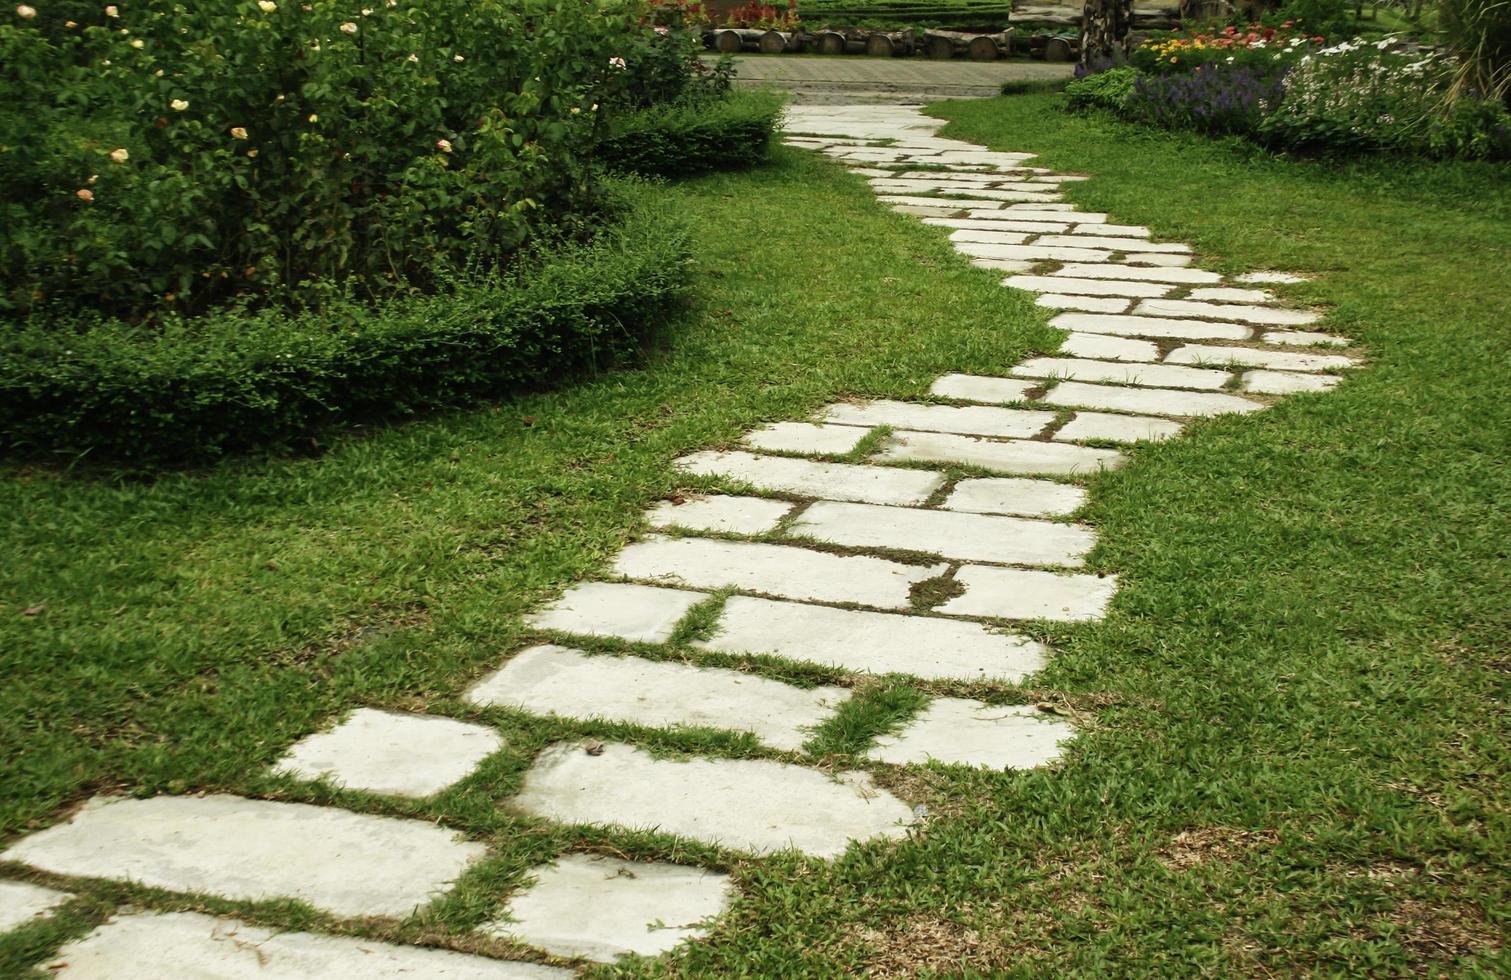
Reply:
x=189, y=389
x=1105, y=90
x=693, y=136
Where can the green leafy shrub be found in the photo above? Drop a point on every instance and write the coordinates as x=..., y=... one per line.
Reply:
x=188, y=389
x=1105, y=90
x=1480, y=31
x=693, y=136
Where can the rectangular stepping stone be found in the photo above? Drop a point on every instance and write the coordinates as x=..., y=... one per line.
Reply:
x=1120, y=231
x=1243, y=313
x=1304, y=338
x=1106, y=347
x=926, y=647
x=733, y=515
x=973, y=388
x=989, y=237
x=1270, y=277
x=586, y=906
x=1015, y=495
x=1121, y=372
x=350, y=864
x=955, y=203
x=1016, y=457
x=384, y=752
x=914, y=211
x=1043, y=212
x=968, y=420
x=1002, y=265
x=743, y=804
x=1249, y=357
x=1116, y=428
x=1285, y=383
x=1150, y=401
x=639, y=613
x=975, y=537
x=985, y=224
x=773, y=569
x=1039, y=196
x=1031, y=253
x=804, y=437
x=1126, y=325
x=1163, y=259
x=1089, y=304
x=835, y=481
x=1227, y=294
x=184, y=945
x=1018, y=593
x=566, y=683
x=1140, y=273
x=958, y=732
x=1086, y=287
x=22, y=903
x=1114, y=243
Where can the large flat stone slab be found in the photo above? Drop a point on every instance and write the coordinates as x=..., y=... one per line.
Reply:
x=1279, y=360
x=1128, y=325
x=1086, y=287
x=1056, y=459
x=975, y=388
x=1285, y=382
x=976, y=537
x=553, y=680
x=1304, y=338
x=976, y=420
x=384, y=752
x=730, y=514
x=1088, y=426
x=639, y=613
x=351, y=864
x=1088, y=304
x=601, y=908
x=958, y=732
x=1107, y=347
x=773, y=569
x=22, y=903
x=1273, y=316
x=1139, y=273
x=1015, y=495
x=185, y=945
x=808, y=478
x=805, y=437
x=1019, y=593
x=868, y=642
x=1122, y=372
x=1032, y=253
x=1117, y=243
x=743, y=804
x=990, y=224
x=1153, y=401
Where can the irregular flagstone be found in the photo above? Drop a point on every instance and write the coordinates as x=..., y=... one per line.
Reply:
x=970, y=420
x=1086, y=287
x=1016, y=457
x=744, y=804
x=731, y=514
x=975, y=537
x=384, y=752
x=957, y=732
x=1088, y=304
x=973, y=388
x=835, y=481
x=1015, y=495
x=1152, y=401
x=1106, y=347
x=1145, y=375
x=774, y=569
x=600, y=908
x=1304, y=338
x=640, y=613
x=21, y=903
x=1088, y=426
x=1250, y=357
x=805, y=437
x=553, y=680
x=877, y=643
x=1127, y=325
x=351, y=864
x=1265, y=315
x=1019, y=593
x=1113, y=270
x=1285, y=383
x=153, y=946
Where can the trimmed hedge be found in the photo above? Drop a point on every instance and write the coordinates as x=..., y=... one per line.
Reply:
x=195, y=389
x=695, y=136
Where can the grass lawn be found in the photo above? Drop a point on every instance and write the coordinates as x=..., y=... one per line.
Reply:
x=1298, y=755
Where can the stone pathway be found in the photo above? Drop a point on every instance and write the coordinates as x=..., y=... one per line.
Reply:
x=851, y=80
x=850, y=540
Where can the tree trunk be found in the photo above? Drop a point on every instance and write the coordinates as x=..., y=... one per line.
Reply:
x=1105, y=26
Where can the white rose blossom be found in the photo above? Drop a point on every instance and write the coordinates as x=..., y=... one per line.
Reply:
x=350, y=27
x=120, y=155
x=25, y=12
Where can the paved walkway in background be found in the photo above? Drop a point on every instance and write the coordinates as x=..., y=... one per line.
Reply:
x=858, y=79
x=912, y=538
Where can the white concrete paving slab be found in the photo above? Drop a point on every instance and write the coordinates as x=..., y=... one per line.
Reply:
x=1227, y=294
x=397, y=754
x=987, y=224
x=1015, y=495
x=600, y=908
x=730, y=514
x=1240, y=312
x=774, y=569
x=1304, y=338
x=1106, y=347
x=351, y=864
x=953, y=203
x=1163, y=259
x=989, y=237
x=1279, y=360
x=835, y=481
x=878, y=643
x=1086, y=287
x=1087, y=426
x=190, y=946
x=1042, y=212
x=1270, y=277
x=567, y=683
x=640, y=613
x=1032, y=253
x=1140, y=273
x=22, y=903
x=975, y=388
x=1121, y=372
x=1115, y=243
x=1127, y=325
x=743, y=804
x=1002, y=265
x=1285, y=382
x=1018, y=593
x=805, y=437
x=1121, y=231
x=974, y=537
x=1149, y=401
x=915, y=211
x=1014, y=458
x=959, y=732
x=1088, y=304
x=966, y=420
